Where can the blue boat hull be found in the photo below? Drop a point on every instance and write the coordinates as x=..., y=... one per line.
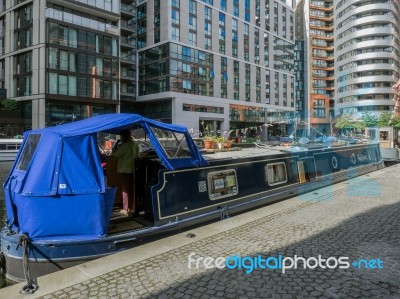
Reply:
x=175, y=200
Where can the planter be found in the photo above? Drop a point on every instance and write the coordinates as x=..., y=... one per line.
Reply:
x=220, y=145
x=208, y=144
x=227, y=144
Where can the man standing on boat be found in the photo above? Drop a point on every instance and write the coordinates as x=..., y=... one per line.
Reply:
x=126, y=150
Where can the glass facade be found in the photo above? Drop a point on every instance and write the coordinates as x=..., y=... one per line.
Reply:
x=82, y=63
x=78, y=18
x=172, y=67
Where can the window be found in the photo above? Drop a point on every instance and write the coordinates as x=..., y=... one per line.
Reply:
x=192, y=22
x=28, y=150
x=192, y=7
x=53, y=58
x=175, y=17
x=207, y=13
x=63, y=84
x=222, y=184
x=192, y=38
x=175, y=33
x=53, y=83
x=276, y=173
x=174, y=144
x=223, y=5
x=73, y=38
x=64, y=60
x=63, y=35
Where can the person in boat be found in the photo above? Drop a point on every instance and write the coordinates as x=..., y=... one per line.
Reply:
x=126, y=150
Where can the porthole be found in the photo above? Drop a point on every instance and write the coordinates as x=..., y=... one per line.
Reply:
x=334, y=162
x=353, y=159
x=369, y=155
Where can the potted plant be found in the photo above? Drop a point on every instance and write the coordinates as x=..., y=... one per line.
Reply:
x=209, y=141
x=227, y=143
x=220, y=142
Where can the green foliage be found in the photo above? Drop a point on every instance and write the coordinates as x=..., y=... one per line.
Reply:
x=384, y=119
x=369, y=119
x=345, y=121
x=395, y=121
x=359, y=125
x=9, y=105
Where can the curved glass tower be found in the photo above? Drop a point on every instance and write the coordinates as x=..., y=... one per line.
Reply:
x=366, y=55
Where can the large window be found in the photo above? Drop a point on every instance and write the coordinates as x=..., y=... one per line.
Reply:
x=173, y=67
x=276, y=173
x=23, y=27
x=84, y=41
x=28, y=150
x=222, y=184
x=173, y=143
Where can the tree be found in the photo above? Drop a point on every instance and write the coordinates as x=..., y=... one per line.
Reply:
x=384, y=118
x=345, y=121
x=369, y=119
x=395, y=121
x=9, y=105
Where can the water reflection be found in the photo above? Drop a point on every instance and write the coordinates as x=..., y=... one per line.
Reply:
x=4, y=170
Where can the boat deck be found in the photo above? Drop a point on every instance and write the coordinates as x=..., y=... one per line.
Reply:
x=120, y=223
x=261, y=149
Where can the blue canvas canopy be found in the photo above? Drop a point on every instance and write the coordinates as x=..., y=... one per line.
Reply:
x=65, y=161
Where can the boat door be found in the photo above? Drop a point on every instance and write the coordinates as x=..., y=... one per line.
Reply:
x=306, y=169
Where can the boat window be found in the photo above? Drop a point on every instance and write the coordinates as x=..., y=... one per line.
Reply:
x=174, y=144
x=222, y=184
x=28, y=151
x=276, y=173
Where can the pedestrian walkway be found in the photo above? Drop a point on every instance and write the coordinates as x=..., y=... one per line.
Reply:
x=358, y=219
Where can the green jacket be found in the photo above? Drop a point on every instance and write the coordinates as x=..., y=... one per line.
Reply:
x=126, y=153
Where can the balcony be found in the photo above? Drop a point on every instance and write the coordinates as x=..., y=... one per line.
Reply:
x=128, y=90
x=131, y=58
x=327, y=17
x=129, y=9
x=323, y=8
x=128, y=42
x=128, y=25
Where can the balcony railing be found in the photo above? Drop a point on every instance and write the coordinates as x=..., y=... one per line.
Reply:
x=128, y=24
x=128, y=8
x=128, y=41
x=131, y=58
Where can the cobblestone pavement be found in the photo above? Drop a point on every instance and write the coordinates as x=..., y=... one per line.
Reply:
x=359, y=221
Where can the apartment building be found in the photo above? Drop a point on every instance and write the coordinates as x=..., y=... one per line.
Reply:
x=367, y=58
x=217, y=65
x=314, y=27
x=60, y=59
x=214, y=65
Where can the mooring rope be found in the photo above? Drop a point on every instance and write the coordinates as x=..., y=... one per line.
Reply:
x=31, y=286
x=2, y=263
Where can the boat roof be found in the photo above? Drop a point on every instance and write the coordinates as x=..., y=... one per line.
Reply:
x=260, y=149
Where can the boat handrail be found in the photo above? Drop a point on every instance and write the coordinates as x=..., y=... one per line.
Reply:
x=261, y=145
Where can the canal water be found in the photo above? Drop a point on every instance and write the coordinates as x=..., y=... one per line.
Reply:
x=4, y=170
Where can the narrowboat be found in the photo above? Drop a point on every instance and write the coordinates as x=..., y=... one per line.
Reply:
x=62, y=209
x=9, y=148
